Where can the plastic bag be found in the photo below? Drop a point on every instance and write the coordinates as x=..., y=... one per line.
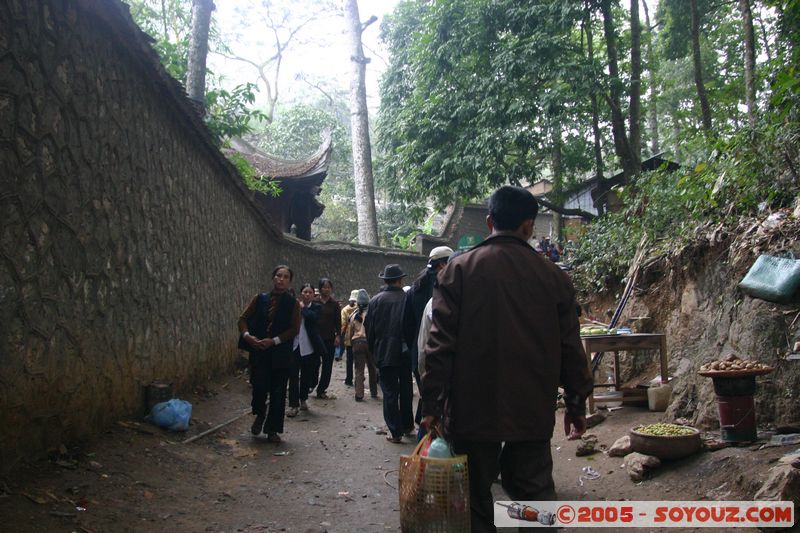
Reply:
x=434, y=493
x=774, y=279
x=173, y=415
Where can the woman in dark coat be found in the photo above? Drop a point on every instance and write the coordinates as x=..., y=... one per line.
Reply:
x=268, y=326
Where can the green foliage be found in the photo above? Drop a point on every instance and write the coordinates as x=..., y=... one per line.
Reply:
x=396, y=228
x=729, y=179
x=470, y=93
x=252, y=178
x=676, y=19
x=168, y=22
x=229, y=113
x=603, y=253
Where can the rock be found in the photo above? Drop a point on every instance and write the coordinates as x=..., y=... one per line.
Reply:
x=638, y=465
x=587, y=445
x=595, y=418
x=782, y=484
x=621, y=447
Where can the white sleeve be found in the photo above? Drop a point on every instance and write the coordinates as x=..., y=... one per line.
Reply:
x=422, y=338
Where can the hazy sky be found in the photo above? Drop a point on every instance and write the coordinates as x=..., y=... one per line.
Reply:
x=320, y=53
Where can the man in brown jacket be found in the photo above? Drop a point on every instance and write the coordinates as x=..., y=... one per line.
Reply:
x=505, y=335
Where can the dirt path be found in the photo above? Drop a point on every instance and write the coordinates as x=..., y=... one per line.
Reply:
x=332, y=473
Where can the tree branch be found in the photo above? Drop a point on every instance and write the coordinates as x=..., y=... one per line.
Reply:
x=375, y=54
x=563, y=211
x=316, y=86
x=369, y=21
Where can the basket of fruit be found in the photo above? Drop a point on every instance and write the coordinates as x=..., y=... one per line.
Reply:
x=665, y=441
x=734, y=366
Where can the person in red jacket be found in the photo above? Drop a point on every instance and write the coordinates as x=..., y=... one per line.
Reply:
x=504, y=336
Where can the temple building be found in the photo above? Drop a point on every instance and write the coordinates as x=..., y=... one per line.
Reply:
x=294, y=210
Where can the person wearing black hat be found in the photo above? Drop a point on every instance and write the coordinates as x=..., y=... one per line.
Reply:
x=386, y=339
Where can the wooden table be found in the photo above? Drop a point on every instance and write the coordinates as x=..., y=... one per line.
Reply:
x=626, y=343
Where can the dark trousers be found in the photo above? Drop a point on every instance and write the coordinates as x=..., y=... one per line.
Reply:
x=348, y=378
x=327, y=366
x=397, y=398
x=527, y=474
x=407, y=400
x=269, y=380
x=303, y=377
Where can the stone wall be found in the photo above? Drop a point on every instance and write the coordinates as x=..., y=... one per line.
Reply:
x=128, y=244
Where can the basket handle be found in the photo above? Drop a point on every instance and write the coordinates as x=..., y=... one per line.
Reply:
x=421, y=443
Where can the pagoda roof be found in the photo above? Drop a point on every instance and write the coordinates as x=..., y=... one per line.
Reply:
x=309, y=171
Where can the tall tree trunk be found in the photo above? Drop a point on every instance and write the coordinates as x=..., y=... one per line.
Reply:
x=558, y=180
x=749, y=61
x=164, y=19
x=359, y=121
x=652, y=101
x=621, y=143
x=698, y=68
x=764, y=39
x=198, y=50
x=634, y=109
x=598, y=148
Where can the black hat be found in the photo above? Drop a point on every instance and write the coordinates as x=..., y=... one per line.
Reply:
x=392, y=272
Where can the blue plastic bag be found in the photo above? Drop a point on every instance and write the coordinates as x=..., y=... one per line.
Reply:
x=173, y=415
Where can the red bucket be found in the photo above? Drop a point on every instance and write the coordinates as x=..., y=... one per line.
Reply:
x=737, y=418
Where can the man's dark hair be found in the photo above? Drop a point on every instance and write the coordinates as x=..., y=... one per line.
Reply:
x=510, y=206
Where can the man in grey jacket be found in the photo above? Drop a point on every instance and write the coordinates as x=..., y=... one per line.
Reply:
x=386, y=338
x=504, y=336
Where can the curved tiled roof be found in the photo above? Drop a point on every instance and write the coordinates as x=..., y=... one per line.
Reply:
x=314, y=166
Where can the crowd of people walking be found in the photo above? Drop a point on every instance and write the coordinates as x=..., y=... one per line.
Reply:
x=293, y=341
x=487, y=352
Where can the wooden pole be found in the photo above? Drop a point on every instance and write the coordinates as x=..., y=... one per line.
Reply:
x=215, y=428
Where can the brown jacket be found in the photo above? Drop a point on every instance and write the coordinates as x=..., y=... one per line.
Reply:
x=505, y=335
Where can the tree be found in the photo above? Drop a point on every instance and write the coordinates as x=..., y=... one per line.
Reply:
x=749, y=60
x=705, y=109
x=593, y=90
x=634, y=109
x=466, y=100
x=629, y=159
x=362, y=152
x=284, y=25
x=198, y=50
x=652, y=101
x=168, y=22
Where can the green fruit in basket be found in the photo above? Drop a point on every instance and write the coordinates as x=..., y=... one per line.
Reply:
x=665, y=430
